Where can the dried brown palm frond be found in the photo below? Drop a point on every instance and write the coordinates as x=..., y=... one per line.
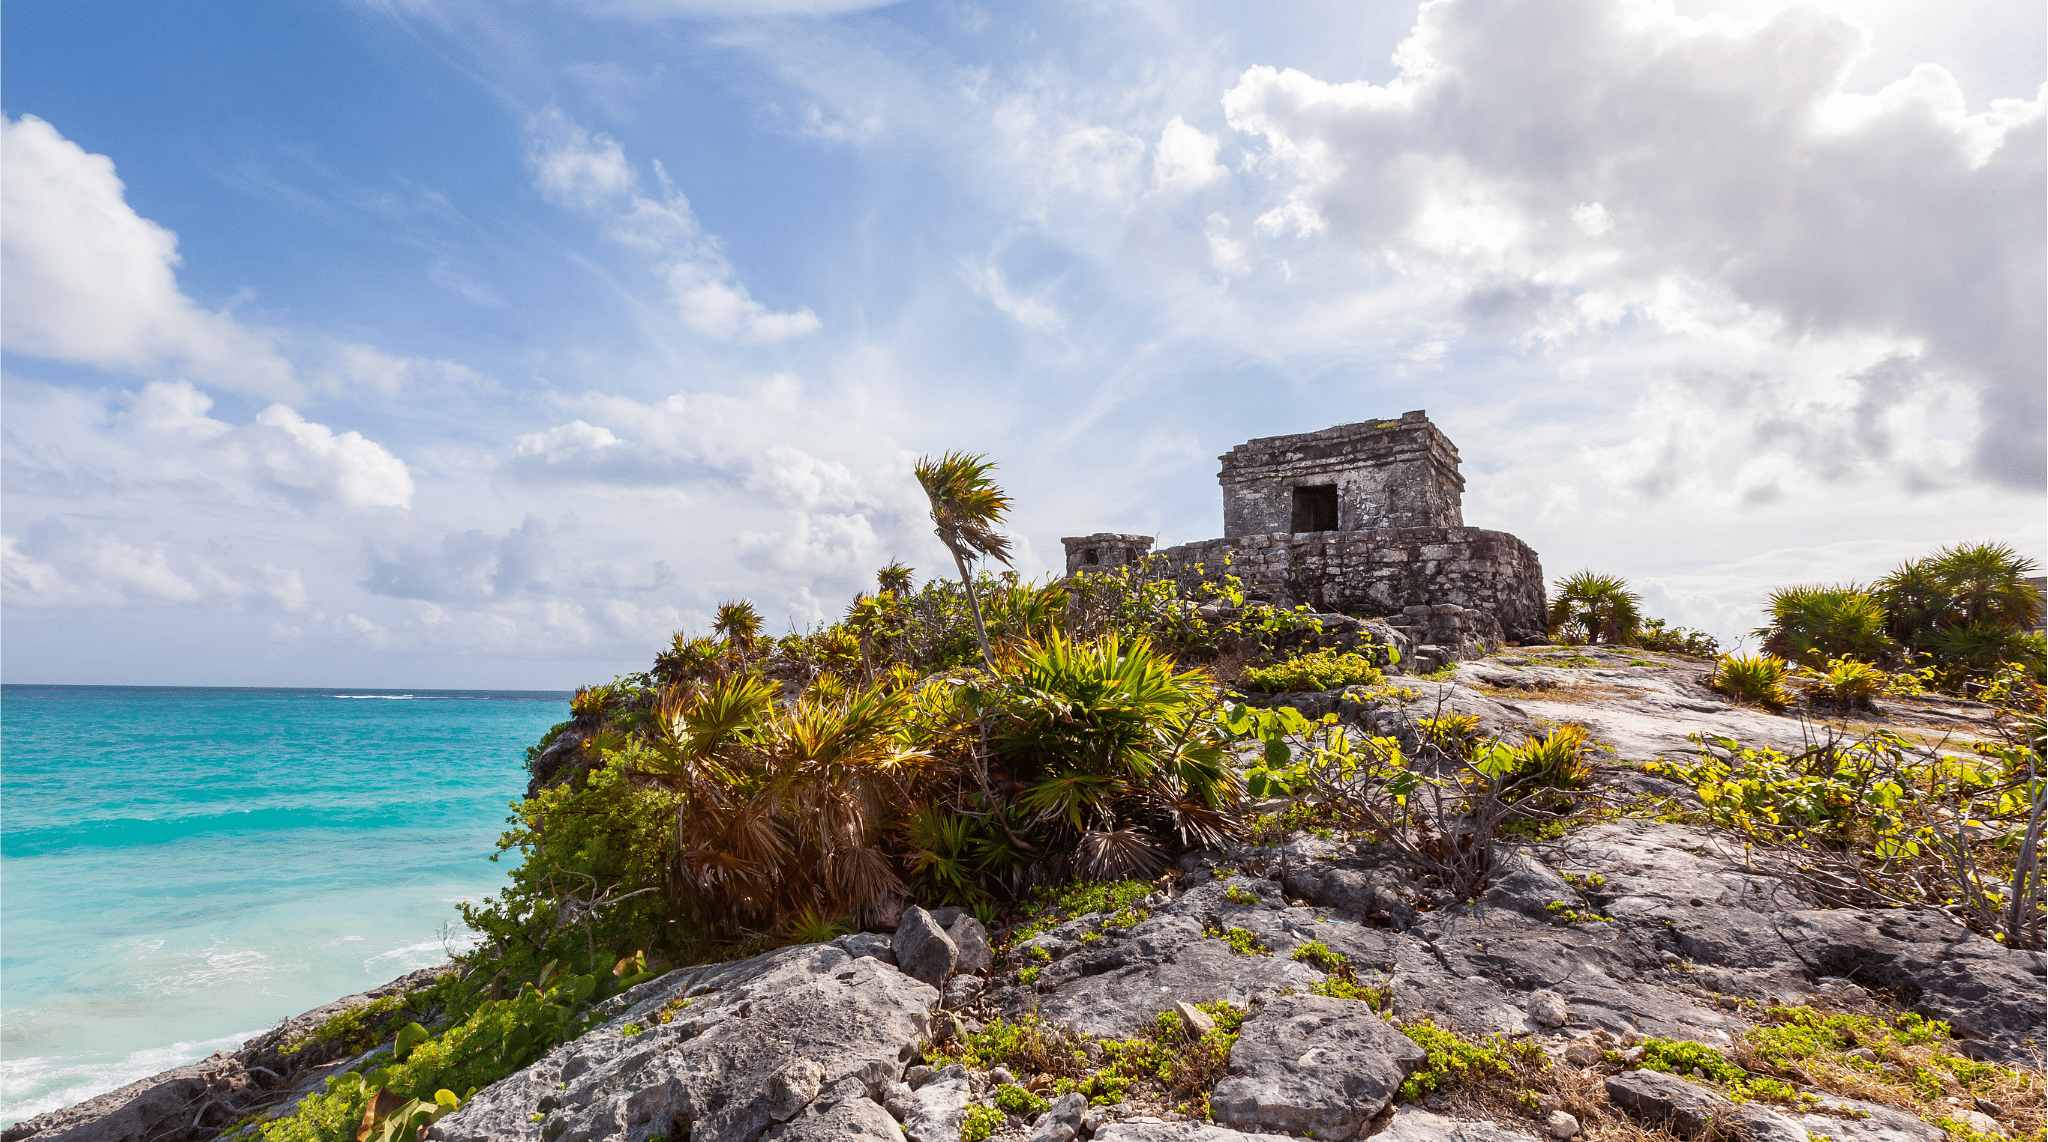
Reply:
x=1117, y=854
x=860, y=878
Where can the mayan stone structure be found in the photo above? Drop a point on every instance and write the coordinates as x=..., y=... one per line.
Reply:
x=1361, y=519
x=1354, y=477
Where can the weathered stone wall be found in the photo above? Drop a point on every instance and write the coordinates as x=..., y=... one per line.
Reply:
x=1388, y=473
x=1381, y=572
x=1104, y=551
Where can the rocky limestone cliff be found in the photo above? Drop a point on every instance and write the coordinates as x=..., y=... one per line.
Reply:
x=1694, y=940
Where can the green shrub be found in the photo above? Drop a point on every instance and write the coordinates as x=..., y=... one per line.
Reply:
x=979, y=1123
x=1551, y=763
x=1018, y=1101
x=1811, y=624
x=1318, y=670
x=1751, y=679
x=605, y=839
x=1654, y=634
x=1586, y=607
x=1681, y=1057
x=1243, y=941
x=1455, y=1060
x=1957, y=587
x=1105, y=734
x=1847, y=682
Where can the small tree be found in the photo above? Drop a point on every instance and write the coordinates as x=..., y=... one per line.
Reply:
x=967, y=507
x=1595, y=608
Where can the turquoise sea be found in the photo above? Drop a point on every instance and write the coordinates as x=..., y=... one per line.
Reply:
x=181, y=868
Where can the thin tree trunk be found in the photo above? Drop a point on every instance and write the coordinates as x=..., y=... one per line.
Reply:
x=988, y=658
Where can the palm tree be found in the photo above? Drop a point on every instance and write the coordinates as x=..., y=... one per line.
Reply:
x=966, y=509
x=740, y=624
x=895, y=578
x=1597, y=608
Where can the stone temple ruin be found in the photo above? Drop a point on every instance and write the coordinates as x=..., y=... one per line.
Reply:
x=1361, y=519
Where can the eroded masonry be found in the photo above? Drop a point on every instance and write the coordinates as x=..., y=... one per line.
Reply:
x=1361, y=519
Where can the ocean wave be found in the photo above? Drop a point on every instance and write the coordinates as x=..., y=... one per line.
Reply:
x=31, y=1085
x=385, y=697
x=280, y=821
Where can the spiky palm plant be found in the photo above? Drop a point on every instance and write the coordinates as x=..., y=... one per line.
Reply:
x=1593, y=608
x=688, y=660
x=1111, y=748
x=1811, y=624
x=1968, y=606
x=739, y=623
x=967, y=507
x=782, y=807
x=895, y=578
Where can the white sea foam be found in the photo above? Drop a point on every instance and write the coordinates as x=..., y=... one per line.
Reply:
x=413, y=957
x=29, y=1086
x=386, y=697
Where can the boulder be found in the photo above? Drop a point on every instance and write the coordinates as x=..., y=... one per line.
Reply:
x=1547, y=1008
x=1661, y=1099
x=854, y=1120
x=962, y=990
x=1413, y=1124
x=923, y=950
x=1062, y=1120
x=937, y=1107
x=760, y=1039
x=1311, y=1063
x=1169, y=1132
x=792, y=1087
x=970, y=940
x=868, y=944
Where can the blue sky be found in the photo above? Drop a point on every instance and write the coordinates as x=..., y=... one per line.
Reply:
x=484, y=345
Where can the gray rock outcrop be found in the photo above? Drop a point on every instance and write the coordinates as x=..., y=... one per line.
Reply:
x=1309, y=1063
x=758, y=1037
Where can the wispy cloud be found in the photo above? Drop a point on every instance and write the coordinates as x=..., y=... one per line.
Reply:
x=589, y=173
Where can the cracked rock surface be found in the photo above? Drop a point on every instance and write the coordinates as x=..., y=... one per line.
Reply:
x=760, y=1039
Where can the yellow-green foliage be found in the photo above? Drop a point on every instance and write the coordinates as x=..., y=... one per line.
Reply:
x=1454, y=1059
x=496, y=1039
x=1241, y=940
x=1239, y=894
x=1322, y=955
x=357, y=1029
x=1847, y=682
x=1318, y=670
x=1751, y=679
x=1016, y=1100
x=1056, y=906
x=1912, y=1063
x=1340, y=987
x=1452, y=733
x=979, y=1123
x=1164, y=1057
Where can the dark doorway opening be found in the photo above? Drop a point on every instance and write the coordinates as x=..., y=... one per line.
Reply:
x=1090, y=556
x=1315, y=509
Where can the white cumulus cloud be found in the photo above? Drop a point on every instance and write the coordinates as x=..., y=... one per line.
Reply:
x=83, y=278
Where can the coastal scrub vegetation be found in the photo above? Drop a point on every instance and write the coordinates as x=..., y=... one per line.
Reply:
x=1956, y=616
x=1039, y=751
